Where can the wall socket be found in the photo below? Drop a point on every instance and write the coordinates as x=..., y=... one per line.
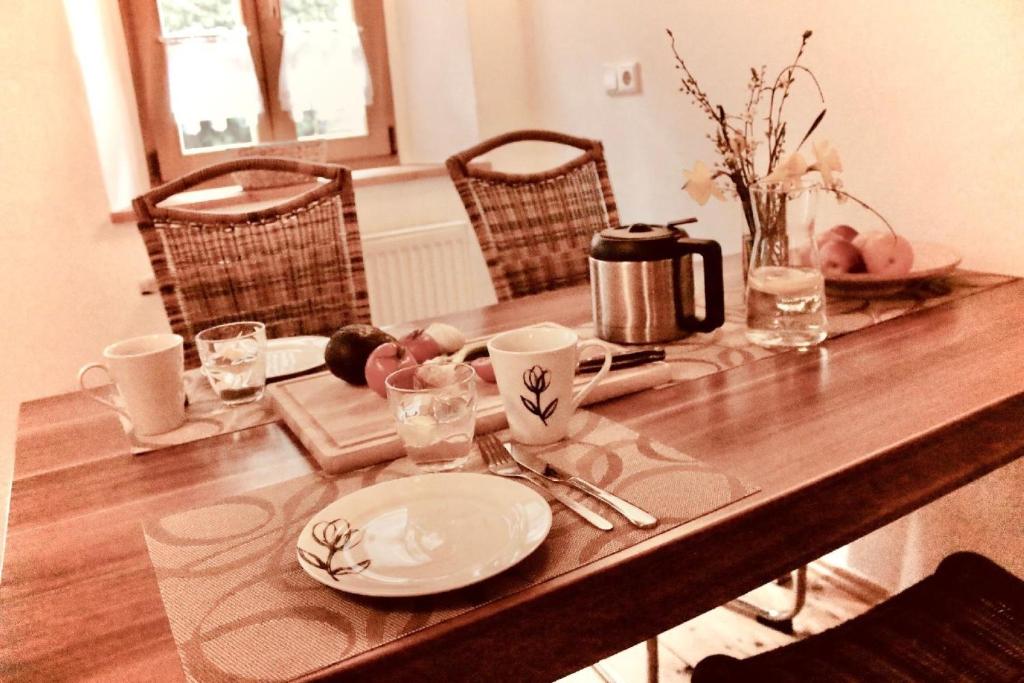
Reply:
x=148, y=286
x=622, y=78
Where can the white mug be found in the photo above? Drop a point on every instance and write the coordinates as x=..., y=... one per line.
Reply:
x=535, y=367
x=149, y=374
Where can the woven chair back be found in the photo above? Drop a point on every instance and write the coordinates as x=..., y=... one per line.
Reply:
x=296, y=266
x=535, y=229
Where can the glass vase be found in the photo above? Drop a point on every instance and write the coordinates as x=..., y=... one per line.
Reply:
x=785, y=286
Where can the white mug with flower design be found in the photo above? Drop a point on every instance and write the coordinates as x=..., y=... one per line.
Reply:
x=535, y=368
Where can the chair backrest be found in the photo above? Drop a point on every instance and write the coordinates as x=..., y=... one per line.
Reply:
x=535, y=229
x=296, y=266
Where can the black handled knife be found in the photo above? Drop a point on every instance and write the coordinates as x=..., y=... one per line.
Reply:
x=620, y=361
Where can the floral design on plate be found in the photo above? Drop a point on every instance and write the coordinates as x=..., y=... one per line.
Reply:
x=336, y=535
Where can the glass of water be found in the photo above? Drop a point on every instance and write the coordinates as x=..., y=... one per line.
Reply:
x=785, y=286
x=234, y=359
x=434, y=406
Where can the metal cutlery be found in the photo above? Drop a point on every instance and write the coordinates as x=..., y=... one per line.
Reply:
x=635, y=515
x=500, y=462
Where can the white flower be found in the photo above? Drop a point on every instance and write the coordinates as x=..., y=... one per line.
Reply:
x=827, y=162
x=789, y=172
x=700, y=183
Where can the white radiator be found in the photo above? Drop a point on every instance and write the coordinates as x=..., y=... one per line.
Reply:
x=425, y=271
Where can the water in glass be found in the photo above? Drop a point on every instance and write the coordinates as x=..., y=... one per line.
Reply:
x=234, y=360
x=237, y=371
x=436, y=420
x=785, y=286
x=786, y=306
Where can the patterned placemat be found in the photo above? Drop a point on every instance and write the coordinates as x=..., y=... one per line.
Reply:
x=240, y=607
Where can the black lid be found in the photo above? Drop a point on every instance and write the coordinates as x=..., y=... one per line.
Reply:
x=637, y=242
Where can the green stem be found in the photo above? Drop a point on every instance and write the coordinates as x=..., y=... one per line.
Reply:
x=846, y=194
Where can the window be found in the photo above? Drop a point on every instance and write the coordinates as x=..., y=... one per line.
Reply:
x=216, y=77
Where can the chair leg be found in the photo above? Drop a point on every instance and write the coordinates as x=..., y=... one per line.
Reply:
x=652, y=660
x=780, y=620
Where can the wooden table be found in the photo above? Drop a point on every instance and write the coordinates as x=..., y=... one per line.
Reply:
x=841, y=439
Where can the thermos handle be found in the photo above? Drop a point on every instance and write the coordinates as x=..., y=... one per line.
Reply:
x=714, y=294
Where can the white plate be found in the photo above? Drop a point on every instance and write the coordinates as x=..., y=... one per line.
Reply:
x=289, y=356
x=930, y=261
x=424, y=534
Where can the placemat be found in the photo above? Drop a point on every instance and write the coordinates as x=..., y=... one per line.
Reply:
x=205, y=416
x=239, y=605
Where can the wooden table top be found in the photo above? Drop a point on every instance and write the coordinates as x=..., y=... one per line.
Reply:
x=841, y=439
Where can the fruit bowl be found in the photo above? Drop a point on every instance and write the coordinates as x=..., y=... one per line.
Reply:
x=930, y=261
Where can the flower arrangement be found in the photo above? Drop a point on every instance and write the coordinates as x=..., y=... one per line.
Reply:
x=738, y=140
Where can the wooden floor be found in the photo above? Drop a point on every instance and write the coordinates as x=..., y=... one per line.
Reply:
x=833, y=596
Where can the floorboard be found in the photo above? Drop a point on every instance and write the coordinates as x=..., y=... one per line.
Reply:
x=834, y=595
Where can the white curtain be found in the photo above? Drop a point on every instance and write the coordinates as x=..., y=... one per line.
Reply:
x=212, y=78
x=323, y=68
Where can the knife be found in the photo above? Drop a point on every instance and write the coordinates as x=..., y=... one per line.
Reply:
x=620, y=361
x=635, y=515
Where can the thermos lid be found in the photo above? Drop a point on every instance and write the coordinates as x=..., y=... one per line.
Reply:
x=637, y=242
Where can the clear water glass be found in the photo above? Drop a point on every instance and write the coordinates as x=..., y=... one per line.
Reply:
x=434, y=406
x=234, y=360
x=785, y=285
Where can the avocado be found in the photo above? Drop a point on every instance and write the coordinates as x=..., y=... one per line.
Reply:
x=348, y=349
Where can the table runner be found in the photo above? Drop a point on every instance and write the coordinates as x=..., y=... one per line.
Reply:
x=727, y=347
x=239, y=606
x=695, y=356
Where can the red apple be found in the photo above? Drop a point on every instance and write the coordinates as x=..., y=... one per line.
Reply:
x=422, y=346
x=839, y=256
x=384, y=360
x=484, y=369
x=837, y=232
x=887, y=254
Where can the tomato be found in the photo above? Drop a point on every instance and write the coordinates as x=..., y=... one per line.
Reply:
x=384, y=360
x=422, y=346
x=484, y=369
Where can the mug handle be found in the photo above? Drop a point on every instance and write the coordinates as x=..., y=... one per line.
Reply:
x=81, y=383
x=601, y=374
x=714, y=294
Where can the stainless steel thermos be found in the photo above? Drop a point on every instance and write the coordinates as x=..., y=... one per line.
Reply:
x=641, y=280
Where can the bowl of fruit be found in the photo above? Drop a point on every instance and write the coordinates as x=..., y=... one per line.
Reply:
x=879, y=263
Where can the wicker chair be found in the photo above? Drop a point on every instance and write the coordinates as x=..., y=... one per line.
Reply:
x=965, y=622
x=296, y=266
x=535, y=229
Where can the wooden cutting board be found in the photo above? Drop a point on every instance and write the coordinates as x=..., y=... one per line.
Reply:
x=346, y=427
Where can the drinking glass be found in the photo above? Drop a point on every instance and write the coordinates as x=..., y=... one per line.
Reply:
x=234, y=359
x=785, y=286
x=435, y=413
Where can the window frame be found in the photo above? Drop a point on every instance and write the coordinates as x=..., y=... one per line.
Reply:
x=164, y=157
